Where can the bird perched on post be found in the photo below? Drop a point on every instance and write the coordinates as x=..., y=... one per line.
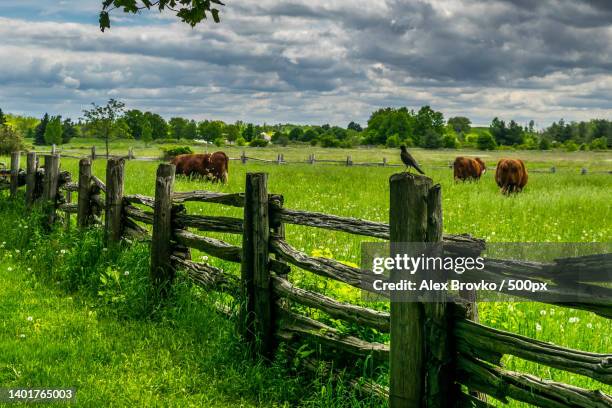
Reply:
x=409, y=161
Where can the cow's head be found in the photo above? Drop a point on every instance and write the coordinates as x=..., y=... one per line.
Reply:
x=483, y=167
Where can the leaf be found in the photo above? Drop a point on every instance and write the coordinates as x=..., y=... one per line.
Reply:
x=215, y=14
x=104, y=20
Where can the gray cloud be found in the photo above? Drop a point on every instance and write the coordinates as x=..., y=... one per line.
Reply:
x=320, y=61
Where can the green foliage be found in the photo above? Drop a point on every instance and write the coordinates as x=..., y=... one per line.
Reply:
x=309, y=135
x=191, y=12
x=23, y=125
x=173, y=151
x=249, y=132
x=2, y=118
x=219, y=142
x=354, y=126
x=146, y=132
x=240, y=141
x=39, y=133
x=599, y=144
x=159, y=127
x=210, y=130
x=570, y=146
x=510, y=135
x=327, y=140
x=279, y=138
x=10, y=141
x=53, y=132
x=296, y=134
x=485, y=141
x=69, y=130
x=258, y=143
x=460, y=124
x=432, y=139
x=393, y=141
x=449, y=141
x=103, y=121
x=544, y=144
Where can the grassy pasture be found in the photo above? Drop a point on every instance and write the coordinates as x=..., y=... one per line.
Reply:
x=561, y=207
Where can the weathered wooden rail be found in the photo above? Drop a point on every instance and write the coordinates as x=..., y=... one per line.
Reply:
x=434, y=341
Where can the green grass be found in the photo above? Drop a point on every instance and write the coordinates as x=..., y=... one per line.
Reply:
x=561, y=207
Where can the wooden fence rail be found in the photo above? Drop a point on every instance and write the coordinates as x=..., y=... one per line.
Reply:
x=434, y=347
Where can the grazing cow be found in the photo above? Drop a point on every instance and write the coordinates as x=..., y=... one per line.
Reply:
x=213, y=166
x=511, y=175
x=465, y=168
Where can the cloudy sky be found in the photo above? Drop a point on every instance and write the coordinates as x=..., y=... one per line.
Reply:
x=315, y=61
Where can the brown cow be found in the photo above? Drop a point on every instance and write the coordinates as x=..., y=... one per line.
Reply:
x=511, y=175
x=213, y=166
x=465, y=168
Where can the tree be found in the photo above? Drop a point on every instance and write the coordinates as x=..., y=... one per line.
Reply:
x=460, y=124
x=53, y=132
x=10, y=141
x=432, y=139
x=449, y=141
x=103, y=119
x=354, y=126
x=135, y=120
x=210, y=130
x=429, y=127
x=146, y=132
x=39, y=133
x=69, y=130
x=2, y=118
x=249, y=132
x=309, y=135
x=159, y=127
x=486, y=141
x=296, y=133
x=177, y=127
x=232, y=132
x=510, y=135
x=191, y=12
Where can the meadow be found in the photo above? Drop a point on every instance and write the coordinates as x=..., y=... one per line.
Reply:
x=561, y=207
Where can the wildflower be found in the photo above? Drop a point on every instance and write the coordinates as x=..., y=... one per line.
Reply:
x=22, y=336
x=542, y=312
x=126, y=273
x=9, y=269
x=590, y=325
x=574, y=319
x=30, y=318
x=538, y=327
x=63, y=251
x=17, y=251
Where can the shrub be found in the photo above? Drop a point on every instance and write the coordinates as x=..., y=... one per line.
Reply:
x=164, y=141
x=240, y=141
x=583, y=147
x=393, y=141
x=570, y=146
x=328, y=140
x=281, y=140
x=486, y=142
x=544, y=144
x=450, y=141
x=599, y=144
x=258, y=143
x=219, y=142
x=171, y=152
x=10, y=141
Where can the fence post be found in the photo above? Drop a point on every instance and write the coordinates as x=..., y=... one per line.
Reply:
x=50, y=185
x=162, y=272
x=243, y=158
x=15, y=158
x=583, y=171
x=53, y=149
x=415, y=215
x=84, y=202
x=93, y=153
x=349, y=161
x=553, y=169
x=258, y=309
x=131, y=153
x=31, y=170
x=384, y=162
x=114, y=200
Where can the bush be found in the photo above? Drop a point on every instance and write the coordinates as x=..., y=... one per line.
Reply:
x=258, y=143
x=281, y=140
x=10, y=141
x=599, y=144
x=219, y=142
x=583, y=147
x=328, y=140
x=171, y=152
x=544, y=144
x=485, y=142
x=393, y=141
x=314, y=142
x=570, y=146
x=450, y=141
x=165, y=141
x=240, y=141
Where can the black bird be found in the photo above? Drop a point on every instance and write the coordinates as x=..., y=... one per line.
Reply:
x=409, y=160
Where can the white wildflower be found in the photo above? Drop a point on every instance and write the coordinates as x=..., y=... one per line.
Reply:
x=22, y=336
x=126, y=273
x=574, y=319
x=590, y=325
x=542, y=312
x=538, y=327
x=30, y=318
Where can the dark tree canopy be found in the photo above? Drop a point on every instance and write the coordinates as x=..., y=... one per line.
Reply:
x=191, y=12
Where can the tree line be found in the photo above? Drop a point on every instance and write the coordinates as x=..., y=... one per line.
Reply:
x=389, y=127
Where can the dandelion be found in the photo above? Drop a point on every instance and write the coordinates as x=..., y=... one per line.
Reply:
x=126, y=273
x=542, y=312
x=63, y=251
x=590, y=325
x=9, y=269
x=538, y=327
x=204, y=258
x=30, y=318
x=574, y=319
x=17, y=251
x=29, y=269
x=22, y=336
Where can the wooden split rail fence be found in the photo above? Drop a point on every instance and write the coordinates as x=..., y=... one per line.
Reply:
x=438, y=355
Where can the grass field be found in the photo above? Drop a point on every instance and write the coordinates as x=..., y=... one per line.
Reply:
x=560, y=207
